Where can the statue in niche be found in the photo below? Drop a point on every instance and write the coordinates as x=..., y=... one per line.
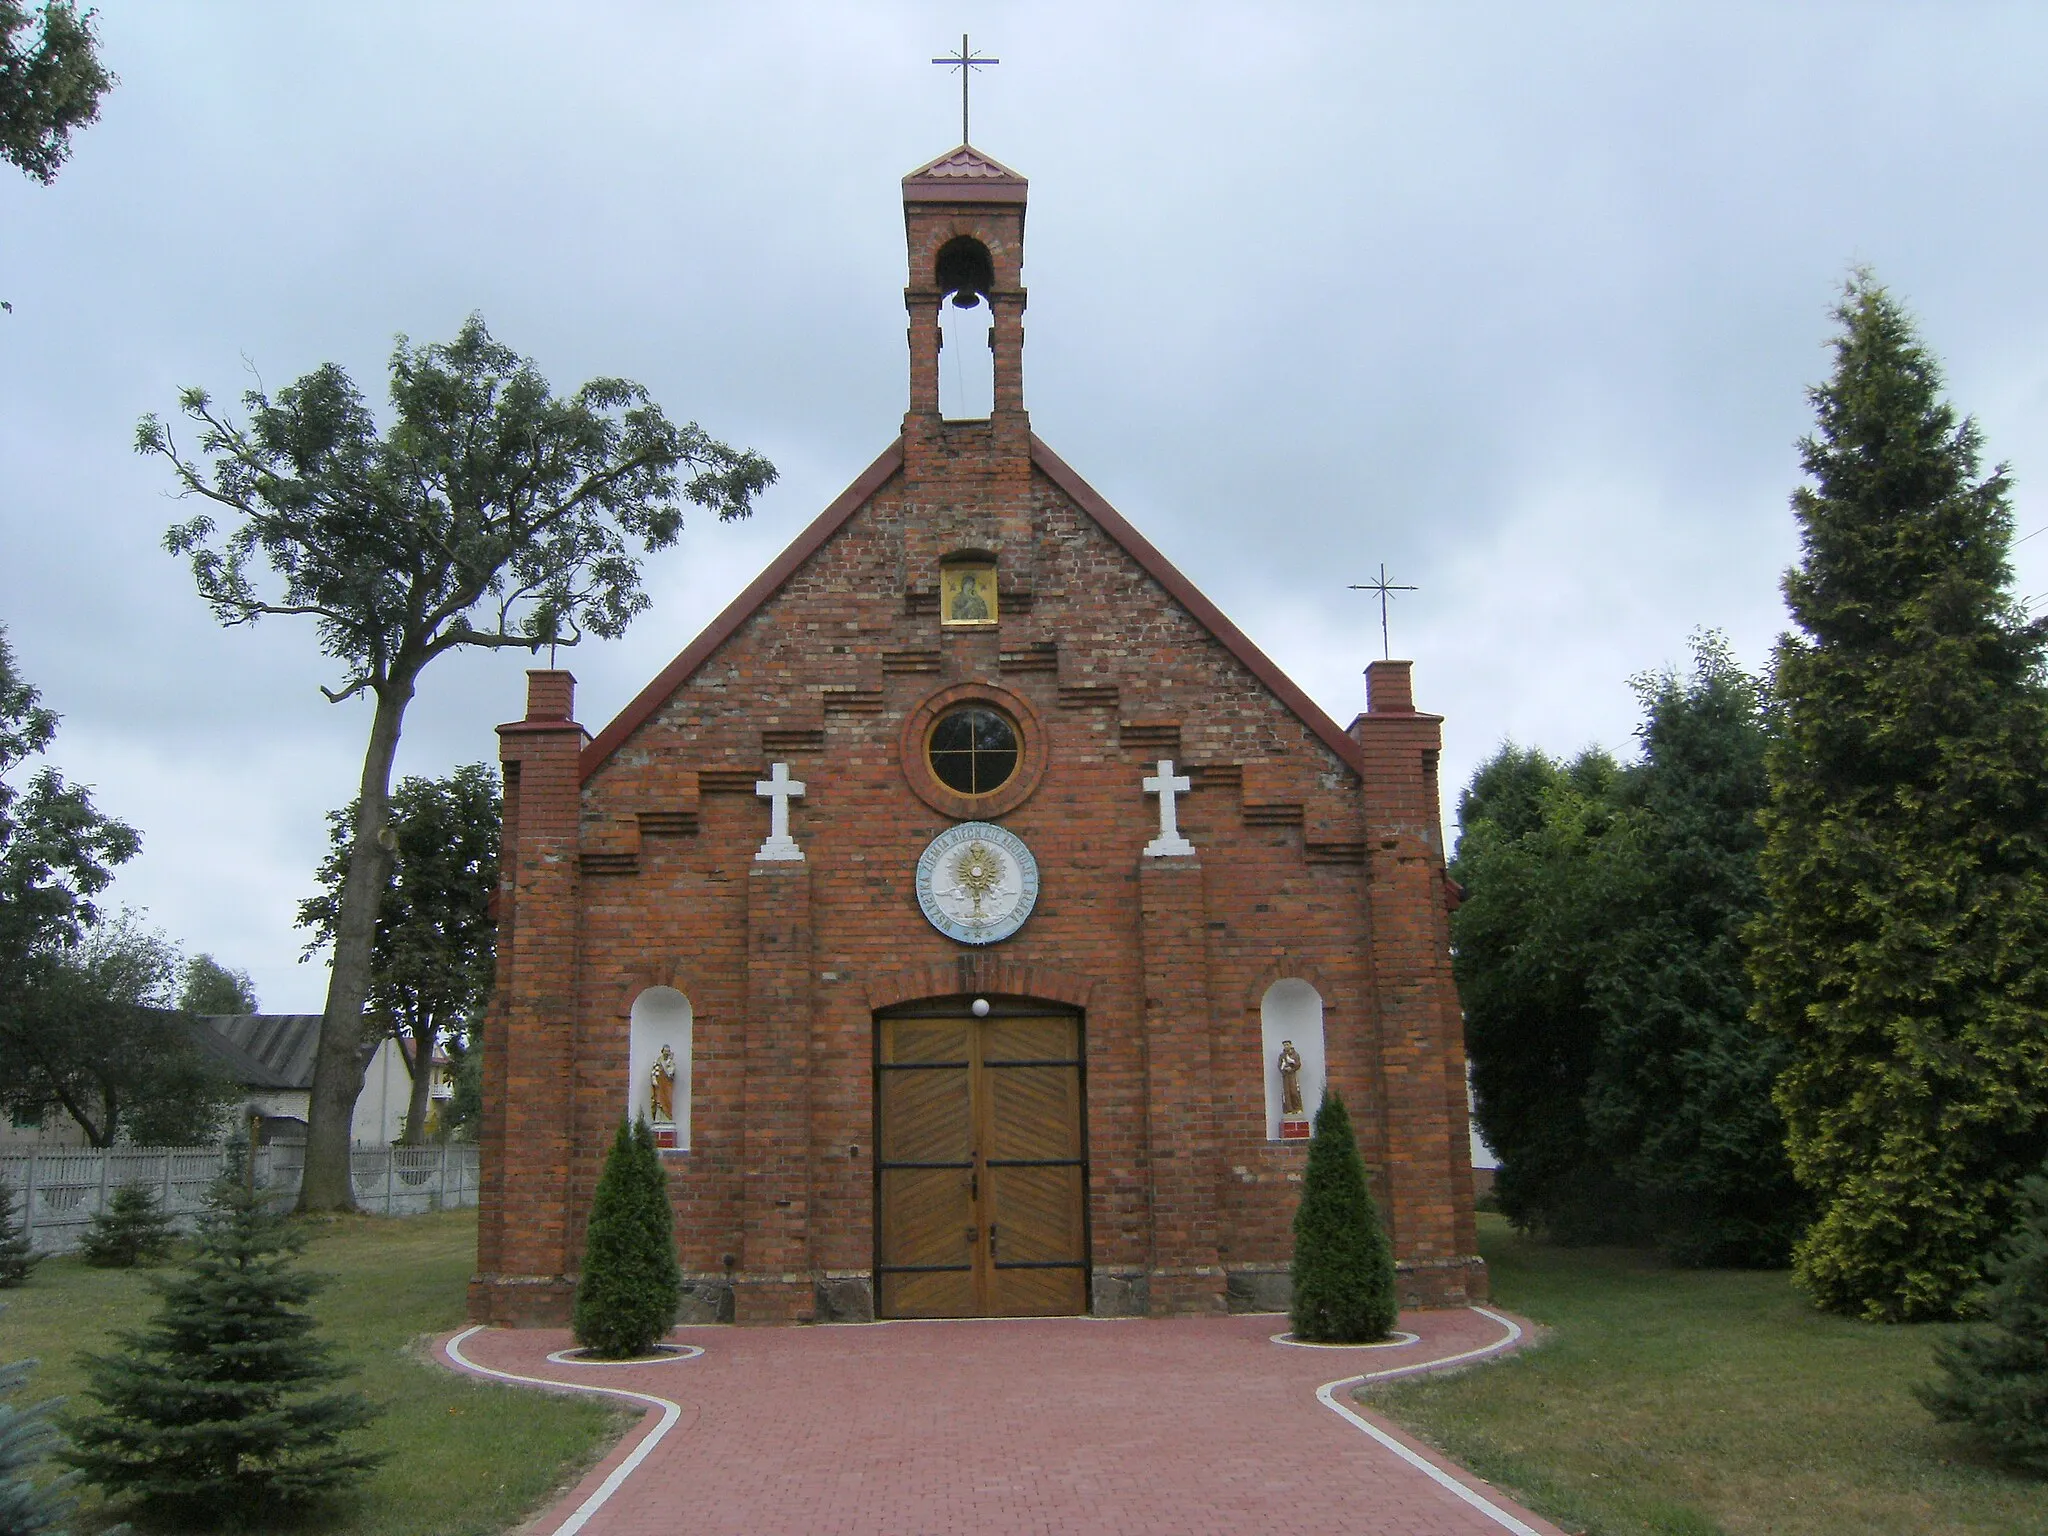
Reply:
x=1290, y=1080
x=661, y=1100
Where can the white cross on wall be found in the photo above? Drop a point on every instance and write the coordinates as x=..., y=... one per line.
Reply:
x=1166, y=785
x=778, y=789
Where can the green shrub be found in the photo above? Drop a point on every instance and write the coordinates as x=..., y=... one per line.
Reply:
x=16, y=1257
x=214, y=1413
x=1997, y=1377
x=631, y=1285
x=1343, y=1264
x=132, y=1230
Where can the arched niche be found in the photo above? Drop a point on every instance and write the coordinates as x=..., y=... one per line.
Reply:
x=1292, y=1010
x=661, y=1017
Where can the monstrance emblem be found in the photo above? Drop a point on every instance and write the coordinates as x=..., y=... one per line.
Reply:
x=977, y=883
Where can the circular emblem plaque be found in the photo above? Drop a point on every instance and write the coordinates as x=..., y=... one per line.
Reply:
x=977, y=883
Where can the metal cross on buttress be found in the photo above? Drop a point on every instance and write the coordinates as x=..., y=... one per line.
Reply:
x=967, y=62
x=1385, y=589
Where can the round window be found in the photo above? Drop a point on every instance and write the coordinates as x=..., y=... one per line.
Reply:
x=973, y=750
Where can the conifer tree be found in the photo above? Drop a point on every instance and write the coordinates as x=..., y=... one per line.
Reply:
x=26, y=1439
x=1343, y=1271
x=631, y=1286
x=1997, y=1377
x=17, y=1258
x=132, y=1230
x=215, y=1412
x=1904, y=951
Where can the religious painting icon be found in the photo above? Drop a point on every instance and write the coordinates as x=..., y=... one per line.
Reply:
x=977, y=883
x=967, y=596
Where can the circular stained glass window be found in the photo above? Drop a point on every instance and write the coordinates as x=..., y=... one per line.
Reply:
x=973, y=750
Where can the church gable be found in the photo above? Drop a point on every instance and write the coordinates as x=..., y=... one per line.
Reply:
x=851, y=640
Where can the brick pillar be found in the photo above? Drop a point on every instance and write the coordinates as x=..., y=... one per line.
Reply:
x=775, y=1284
x=1186, y=1273
x=523, y=1262
x=1422, y=1058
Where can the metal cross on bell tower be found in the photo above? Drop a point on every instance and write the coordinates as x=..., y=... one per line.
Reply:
x=967, y=62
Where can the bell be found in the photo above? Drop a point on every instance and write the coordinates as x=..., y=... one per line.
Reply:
x=965, y=298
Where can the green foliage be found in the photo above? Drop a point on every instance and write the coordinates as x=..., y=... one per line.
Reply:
x=17, y=1258
x=1904, y=958
x=1680, y=1097
x=1600, y=956
x=462, y=1117
x=492, y=513
x=1529, y=946
x=626, y=1300
x=27, y=1437
x=434, y=955
x=51, y=81
x=1997, y=1377
x=89, y=1032
x=1343, y=1270
x=216, y=1411
x=132, y=1230
x=208, y=987
x=56, y=850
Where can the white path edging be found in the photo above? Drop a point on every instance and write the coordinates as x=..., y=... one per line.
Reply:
x=671, y=1412
x=1326, y=1394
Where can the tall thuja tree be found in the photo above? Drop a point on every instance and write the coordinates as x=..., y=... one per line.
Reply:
x=490, y=513
x=1679, y=1099
x=1904, y=955
x=1529, y=943
x=433, y=959
x=1342, y=1275
x=631, y=1285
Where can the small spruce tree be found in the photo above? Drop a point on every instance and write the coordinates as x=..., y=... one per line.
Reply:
x=1343, y=1264
x=1997, y=1377
x=26, y=1439
x=16, y=1257
x=214, y=1413
x=132, y=1230
x=631, y=1285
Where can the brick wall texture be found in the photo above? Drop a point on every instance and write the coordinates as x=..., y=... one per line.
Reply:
x=632, y=864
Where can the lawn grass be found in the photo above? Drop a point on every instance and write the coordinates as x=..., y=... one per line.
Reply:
x=1706, y=1403
x=464, y=1457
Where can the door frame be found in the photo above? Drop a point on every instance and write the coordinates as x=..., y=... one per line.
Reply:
x=959, y=1005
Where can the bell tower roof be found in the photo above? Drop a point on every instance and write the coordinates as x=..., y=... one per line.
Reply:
x=964, y=175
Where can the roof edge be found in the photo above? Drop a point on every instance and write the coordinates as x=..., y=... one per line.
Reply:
x=1203, y=611
x=738, y=611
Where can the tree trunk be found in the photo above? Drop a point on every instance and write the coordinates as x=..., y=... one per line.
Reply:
x=338, y=1067
x=421, y=1065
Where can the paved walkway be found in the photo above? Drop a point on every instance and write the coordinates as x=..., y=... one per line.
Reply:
x=1189, y=1426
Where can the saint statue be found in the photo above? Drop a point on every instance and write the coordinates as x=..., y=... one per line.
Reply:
x=1290, y=1080
x=969, y=606
x=662, y=1099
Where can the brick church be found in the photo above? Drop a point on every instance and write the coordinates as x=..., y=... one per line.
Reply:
x=976, y=913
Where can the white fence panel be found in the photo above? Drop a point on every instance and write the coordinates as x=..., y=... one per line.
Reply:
x=58, y=1192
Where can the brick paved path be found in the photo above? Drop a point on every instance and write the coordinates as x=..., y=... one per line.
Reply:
x=1190, y=1426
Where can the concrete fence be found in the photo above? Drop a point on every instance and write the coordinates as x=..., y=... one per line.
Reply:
x=58, y=1192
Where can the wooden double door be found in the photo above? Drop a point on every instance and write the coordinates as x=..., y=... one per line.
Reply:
x=981, y=1168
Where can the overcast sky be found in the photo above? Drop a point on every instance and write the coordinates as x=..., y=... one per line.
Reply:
x=1520, y=300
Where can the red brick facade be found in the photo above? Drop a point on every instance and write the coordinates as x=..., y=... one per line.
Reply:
x=630, y=862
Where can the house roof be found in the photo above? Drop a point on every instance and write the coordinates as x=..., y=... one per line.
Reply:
x=855, y=496
x=262, y=1050
x=964, y=175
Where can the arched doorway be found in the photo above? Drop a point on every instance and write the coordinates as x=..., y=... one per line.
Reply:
x=981, y=1160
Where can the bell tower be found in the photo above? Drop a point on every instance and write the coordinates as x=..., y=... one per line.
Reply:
x=963, y=215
